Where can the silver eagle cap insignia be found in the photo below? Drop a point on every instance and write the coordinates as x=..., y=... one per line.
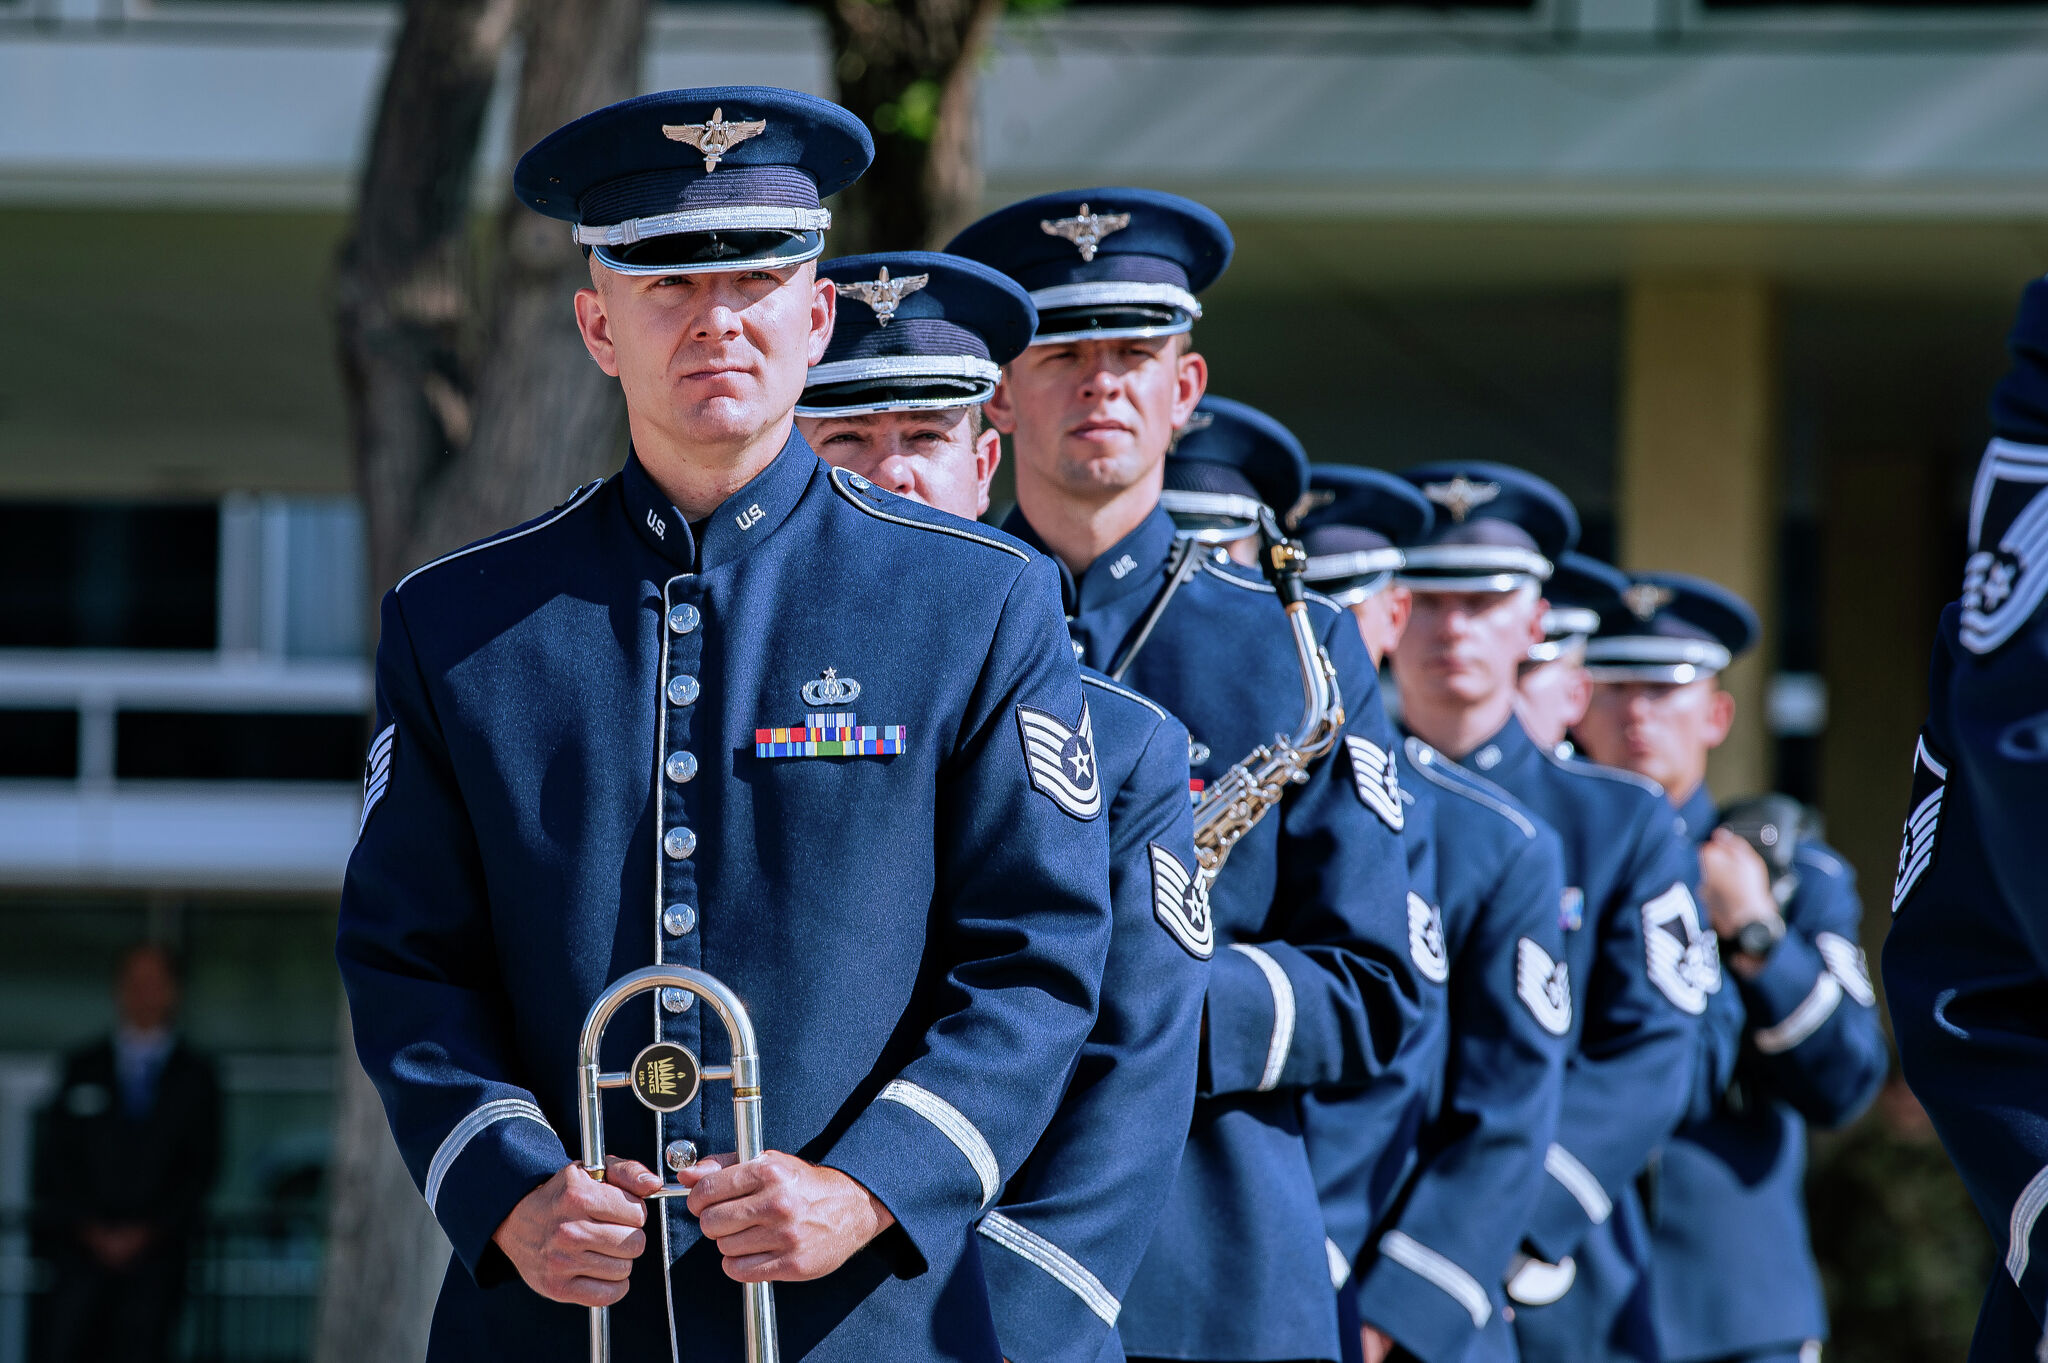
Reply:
x=1645, y=599
x=882, y=293
x=1085, y=229
x=714, y=137
x=831, y=689
x=1461, y=496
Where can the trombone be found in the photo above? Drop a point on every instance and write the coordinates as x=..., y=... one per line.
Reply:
x=665, y=1077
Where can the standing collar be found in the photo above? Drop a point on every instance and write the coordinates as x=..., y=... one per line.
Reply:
x=1508, y=749
x=741, y=521
x=1125, y=567
x=1697, y=815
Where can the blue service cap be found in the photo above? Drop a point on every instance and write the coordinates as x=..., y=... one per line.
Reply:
x=2019, y=405
x=1354, y=522
x=1496, y=528
x=693, y=181
x=916, y=331
x=1228, y=463
x=1579, y=590
x=1670, y=627
x=1104, y=263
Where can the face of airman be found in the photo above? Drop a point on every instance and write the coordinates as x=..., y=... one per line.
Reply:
x=944, y=458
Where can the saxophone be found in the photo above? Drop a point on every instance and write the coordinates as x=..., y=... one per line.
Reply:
x=1251, y=789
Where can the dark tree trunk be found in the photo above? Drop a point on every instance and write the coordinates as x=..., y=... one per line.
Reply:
x=909, y=69
x=471, y=408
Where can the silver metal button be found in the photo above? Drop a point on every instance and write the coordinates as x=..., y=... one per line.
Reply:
x=680, y=1155
x=682, y=690
x=1487, y=758
x=681, y=766
x=674, y=1000
x=684, y=618
x=860, y=484
x=678, y=919
x=679, y=843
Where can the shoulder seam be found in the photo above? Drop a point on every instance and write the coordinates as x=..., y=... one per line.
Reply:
x=1088, y=679
x=1582, y=768
x=1476, y=796
x=576, y=499
x=1216, y=572
x=1822, y=858
x=957, y=532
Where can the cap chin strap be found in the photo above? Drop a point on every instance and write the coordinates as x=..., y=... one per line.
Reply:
x=1212, y=517
x=1559, y=621
x=1109, y=295
x=1471, y=562
x=1657, y=658
x=1357, y=563
x=1352, y=595
x=743, y=218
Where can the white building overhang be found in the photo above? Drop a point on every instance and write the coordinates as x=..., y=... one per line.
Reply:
x=1271, y=113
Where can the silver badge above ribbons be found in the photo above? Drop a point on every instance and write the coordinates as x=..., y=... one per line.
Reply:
x=831, y=689
x=714, y=137
x=882, y=293
x=1085, y=229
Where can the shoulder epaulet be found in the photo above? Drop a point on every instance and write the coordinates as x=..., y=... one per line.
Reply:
x=1449, y=776
x=887, y=506
x=1102, y=683
x=574, y=500
x=1317, y=598
x=1579, y=766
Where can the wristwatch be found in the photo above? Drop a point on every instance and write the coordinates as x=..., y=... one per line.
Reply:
x=1756, y=938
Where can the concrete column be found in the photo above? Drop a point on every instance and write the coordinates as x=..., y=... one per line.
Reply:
x=1698, y=474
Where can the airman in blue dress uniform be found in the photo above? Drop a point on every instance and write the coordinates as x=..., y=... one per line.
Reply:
x=1641, y=966
x=913, y=355
x=1966, y=964
x=1424, y=1274
x=693, y=716
x=1553, y=689
x=1732, y=1270
x=1311, y=982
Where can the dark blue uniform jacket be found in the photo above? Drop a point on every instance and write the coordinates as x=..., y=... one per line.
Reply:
x=1311, y=982
x=1487, y=1079
x=1732, y=1268
x=569, y=782
x=1065, y=1238
x=1642, y=967
x=1966, y=963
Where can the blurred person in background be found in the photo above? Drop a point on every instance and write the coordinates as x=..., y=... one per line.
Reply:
x=1419, y=1275
x=1732, y=1270
x=1640, y=965
x=1553, y=687
x=127, y=1154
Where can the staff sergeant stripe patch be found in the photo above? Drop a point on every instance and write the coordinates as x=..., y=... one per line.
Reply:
x=1061, y=760
x=377, y=773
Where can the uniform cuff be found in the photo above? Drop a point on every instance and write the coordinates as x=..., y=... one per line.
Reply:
x=494, y=1157
x=1251, y=1021
x=1048, y=1307
x=1572, y=1202
x=1429, y=1305
x=1785, y=984
x=926, y=1162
